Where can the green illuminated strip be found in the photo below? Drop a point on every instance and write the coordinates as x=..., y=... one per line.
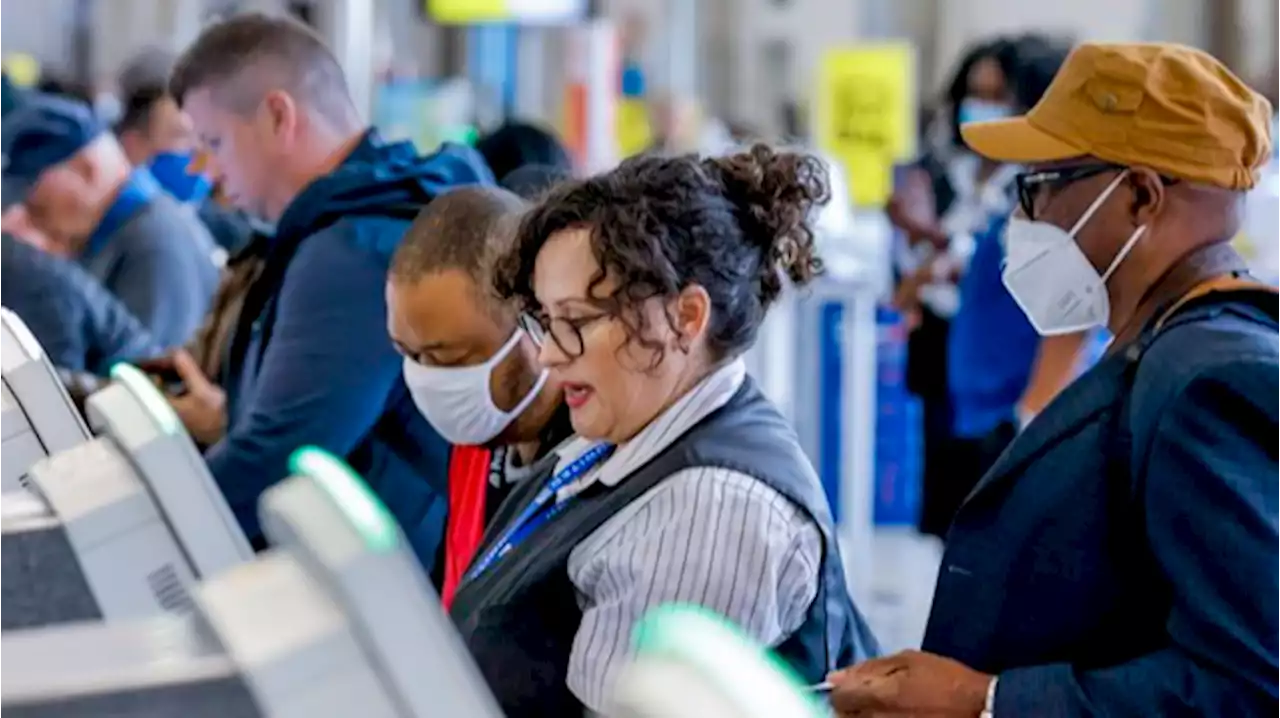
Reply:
x=754, y=677
x=132, y=378
x=368, y=516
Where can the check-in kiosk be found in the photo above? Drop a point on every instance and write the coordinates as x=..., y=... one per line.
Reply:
x=336, y=620
x=690, y=663
x=132, y=517
x=39, y=418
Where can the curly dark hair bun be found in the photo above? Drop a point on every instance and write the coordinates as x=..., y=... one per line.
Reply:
x=732, y=225
x=776, y=195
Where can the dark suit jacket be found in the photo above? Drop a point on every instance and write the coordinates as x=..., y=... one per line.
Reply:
x=1123, y=561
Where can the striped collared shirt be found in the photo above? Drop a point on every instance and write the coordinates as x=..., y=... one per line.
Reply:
x=704, y=535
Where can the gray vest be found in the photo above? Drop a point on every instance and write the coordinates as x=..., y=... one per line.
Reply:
x=520, y=616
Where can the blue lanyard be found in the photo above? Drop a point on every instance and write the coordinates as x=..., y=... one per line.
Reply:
x=533, y=516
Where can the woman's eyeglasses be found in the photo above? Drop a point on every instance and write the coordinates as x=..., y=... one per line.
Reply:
x=565, y=332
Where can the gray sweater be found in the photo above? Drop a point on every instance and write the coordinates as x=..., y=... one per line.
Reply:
x=163, y=266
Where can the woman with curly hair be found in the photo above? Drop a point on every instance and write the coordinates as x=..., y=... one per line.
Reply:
x=644, y=286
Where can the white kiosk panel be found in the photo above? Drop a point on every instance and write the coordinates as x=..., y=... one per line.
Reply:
x=125, y=549
x=33, y=390
x=133, y=413
x=336, y=621
x=346, y=539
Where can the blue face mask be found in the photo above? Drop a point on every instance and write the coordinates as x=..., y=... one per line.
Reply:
x=170, y=170
x=975, y=110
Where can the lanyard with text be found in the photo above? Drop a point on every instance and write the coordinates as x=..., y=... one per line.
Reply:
x=533, y=516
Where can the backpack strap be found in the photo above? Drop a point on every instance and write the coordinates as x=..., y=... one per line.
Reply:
x=1227, y=284
x=1212, y=291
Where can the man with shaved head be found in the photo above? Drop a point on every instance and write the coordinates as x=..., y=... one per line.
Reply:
x=309, y=361
x=471, y=369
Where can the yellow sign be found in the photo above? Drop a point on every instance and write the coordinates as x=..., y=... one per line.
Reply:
x=467, y=12
x=635, y=133
x=866, y=115
x=23, y=69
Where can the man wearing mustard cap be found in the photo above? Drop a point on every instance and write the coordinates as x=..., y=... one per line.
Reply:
x=1120, y=558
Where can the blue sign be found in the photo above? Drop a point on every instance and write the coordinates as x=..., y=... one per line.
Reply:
x=831, y=401
x=899, y=448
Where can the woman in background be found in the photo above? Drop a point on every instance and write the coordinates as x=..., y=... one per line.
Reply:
x=952, y=201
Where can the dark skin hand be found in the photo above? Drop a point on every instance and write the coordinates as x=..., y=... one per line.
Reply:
x=910, y=683
x=911, y=209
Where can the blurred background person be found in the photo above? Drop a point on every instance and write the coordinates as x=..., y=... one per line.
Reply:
x=516, y=144
x=155, y=133
x=950, y=201
x=1000, y=372
x=950, y=185
x=532, y=181
x=79, y=190
x=52, y=84
x=79, y=324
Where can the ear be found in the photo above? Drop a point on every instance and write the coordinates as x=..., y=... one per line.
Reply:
x=692, y=314
x=1148, y=195
x=135, y=146
x=280, y=113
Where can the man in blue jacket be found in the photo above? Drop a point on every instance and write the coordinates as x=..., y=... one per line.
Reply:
x=1120, y=558
x=309, y=361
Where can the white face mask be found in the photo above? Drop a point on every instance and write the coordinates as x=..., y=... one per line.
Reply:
x=1052, y=280
x=457, y=401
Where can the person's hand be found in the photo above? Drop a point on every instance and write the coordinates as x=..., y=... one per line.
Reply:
x=908, y=218
x=906, y=296
x=911, y=208
x=203, y=405
x=910, y=683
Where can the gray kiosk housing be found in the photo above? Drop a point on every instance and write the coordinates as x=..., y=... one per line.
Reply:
x=120, y=526
x=333, y=621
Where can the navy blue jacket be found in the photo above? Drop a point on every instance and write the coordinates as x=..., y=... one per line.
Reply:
x=310, y=362
x=80, y=325
x=1120, y=558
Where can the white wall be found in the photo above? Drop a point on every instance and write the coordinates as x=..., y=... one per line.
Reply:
x=965, y=21
x=771, y=51
x=122, y=28
x=41, y=28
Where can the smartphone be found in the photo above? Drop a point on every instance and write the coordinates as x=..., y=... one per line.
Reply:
x=167, y=380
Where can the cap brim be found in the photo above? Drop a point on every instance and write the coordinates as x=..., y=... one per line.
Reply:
x=1016, y=140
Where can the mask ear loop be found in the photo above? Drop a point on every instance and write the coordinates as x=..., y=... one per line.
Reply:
x=1124, y=252
x=538, y=384
x=1088, y=213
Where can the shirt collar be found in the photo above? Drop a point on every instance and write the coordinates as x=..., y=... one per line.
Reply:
x=713, y=392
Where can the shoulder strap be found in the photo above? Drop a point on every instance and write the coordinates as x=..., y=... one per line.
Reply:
x=1228, y=284
x=1213, y=290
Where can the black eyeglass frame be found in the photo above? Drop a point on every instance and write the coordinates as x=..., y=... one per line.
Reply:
x=566, y=333
x=1029, y=183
